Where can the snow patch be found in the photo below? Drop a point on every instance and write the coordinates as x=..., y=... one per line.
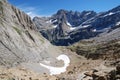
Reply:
x=72, y=28
x=85, y=26
x=88, y=13
x=118, y=23
x=50, y=21
x=47, y=62
x=68, y=23
x=111, y=13
x=94, y=30
x=58, y=70
x=54, y=21
x=54, y=26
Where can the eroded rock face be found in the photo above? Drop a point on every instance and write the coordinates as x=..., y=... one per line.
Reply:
x=23, y=19
x=20, y=42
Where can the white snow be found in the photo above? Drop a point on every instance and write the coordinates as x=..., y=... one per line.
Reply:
x=88, y=13
x=54, y=26
x=58, y=70
x=50, y=21
x=47, y=62
x=68, y=23
x=118, y=23
x=111, y=13
x=94, y=30
x=54, y=21
x=72, y=28
x=85, y=26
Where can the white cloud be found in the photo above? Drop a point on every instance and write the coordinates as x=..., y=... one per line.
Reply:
x=31, y=11
x=32, y=15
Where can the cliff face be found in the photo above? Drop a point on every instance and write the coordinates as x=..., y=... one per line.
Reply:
x=20, y=42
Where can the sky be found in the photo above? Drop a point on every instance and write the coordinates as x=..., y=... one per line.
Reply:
x=49, y=7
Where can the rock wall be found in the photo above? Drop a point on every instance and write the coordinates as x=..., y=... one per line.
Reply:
x=20, y=42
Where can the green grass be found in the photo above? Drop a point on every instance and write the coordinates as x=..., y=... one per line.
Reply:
x=1, y=10
x=18, y=30
x=42, y=40
x=105, y=51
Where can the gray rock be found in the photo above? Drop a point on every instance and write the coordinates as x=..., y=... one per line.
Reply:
x=20, y=41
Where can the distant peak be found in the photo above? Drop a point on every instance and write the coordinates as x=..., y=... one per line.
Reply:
x=61, y=11
x=116, y=9
x=118, y=6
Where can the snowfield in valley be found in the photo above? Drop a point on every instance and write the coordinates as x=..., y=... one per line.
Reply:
x=58, y=70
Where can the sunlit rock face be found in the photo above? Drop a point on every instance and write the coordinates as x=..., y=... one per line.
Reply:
x=20, y=41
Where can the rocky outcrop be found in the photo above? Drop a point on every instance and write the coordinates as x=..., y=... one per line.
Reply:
x=24, y=20
x=103, y=75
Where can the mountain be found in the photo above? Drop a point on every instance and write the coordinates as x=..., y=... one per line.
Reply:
x=67, y=27
x=26, y=55
x=105, y=20
x=20, y=41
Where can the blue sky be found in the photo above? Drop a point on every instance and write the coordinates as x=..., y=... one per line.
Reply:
x=49, y=7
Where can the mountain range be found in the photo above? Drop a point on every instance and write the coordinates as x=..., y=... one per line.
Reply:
x=67, y=27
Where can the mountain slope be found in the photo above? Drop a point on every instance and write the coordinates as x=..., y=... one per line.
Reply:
x=105, y=20
x=20, y=42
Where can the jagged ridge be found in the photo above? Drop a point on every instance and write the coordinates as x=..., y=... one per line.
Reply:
x=67, y=27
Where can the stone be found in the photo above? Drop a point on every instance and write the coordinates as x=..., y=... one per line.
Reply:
x=101, y=78
x=118, y=69
x=88, y=74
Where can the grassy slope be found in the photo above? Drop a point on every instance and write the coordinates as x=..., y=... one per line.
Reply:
x=109, y=50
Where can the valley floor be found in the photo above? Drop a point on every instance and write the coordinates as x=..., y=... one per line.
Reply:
x=81, y=70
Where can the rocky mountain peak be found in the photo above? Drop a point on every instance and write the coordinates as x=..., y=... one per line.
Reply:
x=115, y=9
x=82, y=25
x=62, y=23
x=61, y=11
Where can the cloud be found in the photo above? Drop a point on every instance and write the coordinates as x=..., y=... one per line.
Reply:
x=32, y=14
x=31, y=11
